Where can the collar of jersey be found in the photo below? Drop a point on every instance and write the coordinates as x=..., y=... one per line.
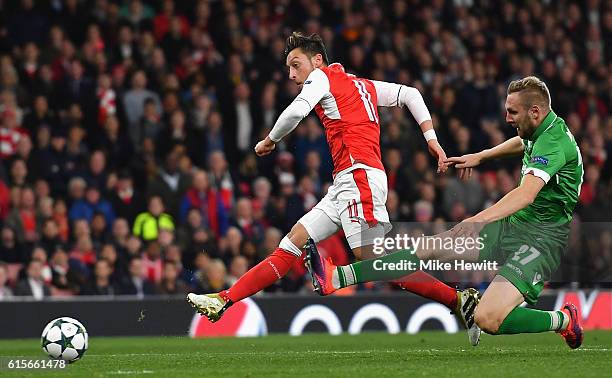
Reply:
x=546, y=123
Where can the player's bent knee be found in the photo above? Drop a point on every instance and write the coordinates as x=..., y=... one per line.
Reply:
x=297, y=235
x=290, y=246
x=489, y=321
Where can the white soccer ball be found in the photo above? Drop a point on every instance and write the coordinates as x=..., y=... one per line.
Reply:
x=65, y=339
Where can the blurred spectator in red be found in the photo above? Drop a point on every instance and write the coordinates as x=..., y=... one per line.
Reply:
x=4, y=201
x=83, y=251
x=107, y=99
x=60, y=216
x=161, y=22
x=220, y=178
x=10, y=132
x=590, y=104
x=152, y=262
x=24, y=219
x=590, y=186
x=209, y=203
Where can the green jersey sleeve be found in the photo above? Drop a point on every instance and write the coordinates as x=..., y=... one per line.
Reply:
x=547, y=157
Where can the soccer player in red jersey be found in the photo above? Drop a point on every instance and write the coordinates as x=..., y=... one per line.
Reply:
x=348, y=108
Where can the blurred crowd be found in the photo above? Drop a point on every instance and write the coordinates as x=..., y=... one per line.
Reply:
x=127, y=129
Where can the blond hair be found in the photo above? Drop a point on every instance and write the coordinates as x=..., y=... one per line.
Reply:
x=533, y=91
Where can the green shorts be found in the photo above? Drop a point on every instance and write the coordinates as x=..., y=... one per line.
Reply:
x=527, y=254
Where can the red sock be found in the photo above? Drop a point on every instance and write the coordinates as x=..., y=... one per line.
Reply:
x=261, y=275
x=428, y=286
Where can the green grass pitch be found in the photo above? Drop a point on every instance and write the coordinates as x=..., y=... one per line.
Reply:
x=368, y=354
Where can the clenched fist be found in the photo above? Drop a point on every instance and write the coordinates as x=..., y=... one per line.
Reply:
x=264, y=147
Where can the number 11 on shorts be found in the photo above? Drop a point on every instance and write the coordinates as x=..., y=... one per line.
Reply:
x=353, y=210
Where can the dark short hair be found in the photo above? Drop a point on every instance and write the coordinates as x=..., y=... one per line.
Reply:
x=310, y=45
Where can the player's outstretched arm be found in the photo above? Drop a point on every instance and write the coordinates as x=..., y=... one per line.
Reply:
x=517, y=199
x=392, y=94
x=511, y=147
x=315, y=87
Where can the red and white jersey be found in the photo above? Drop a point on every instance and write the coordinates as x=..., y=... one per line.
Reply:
x=107, y=104
x=9, y=139
x=348, y=108
x=349, y=113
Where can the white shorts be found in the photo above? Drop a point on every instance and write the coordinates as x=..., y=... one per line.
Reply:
x=355, y=202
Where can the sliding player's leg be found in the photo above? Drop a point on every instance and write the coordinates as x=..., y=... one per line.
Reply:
x=317, y=224
x=402, y=267
x=327, y=278
x=499, y=313
x=398, y=266
x=532, y=254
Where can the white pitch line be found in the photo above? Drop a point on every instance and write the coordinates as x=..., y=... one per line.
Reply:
x=135, y=354
x=129, y=372
x=368, y=351
x=251, y=353
x=594, y=349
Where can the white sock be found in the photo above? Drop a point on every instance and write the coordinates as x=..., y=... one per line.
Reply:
x=343, y=276
x=558, y=320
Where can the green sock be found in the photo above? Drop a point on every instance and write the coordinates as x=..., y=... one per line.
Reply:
x=385, y=268
x=528, y=320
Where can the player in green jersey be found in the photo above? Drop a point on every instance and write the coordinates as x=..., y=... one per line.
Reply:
x=526, y=231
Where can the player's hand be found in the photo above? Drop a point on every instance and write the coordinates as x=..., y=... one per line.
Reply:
x=436, y=151
x=469, y=227
x=264, y=147
x=464, y=164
